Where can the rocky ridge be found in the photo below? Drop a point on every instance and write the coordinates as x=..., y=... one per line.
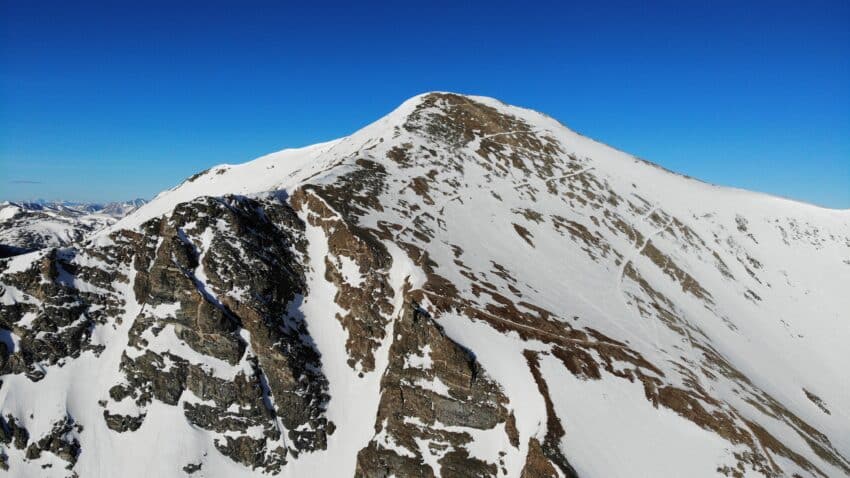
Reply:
x=463, y=288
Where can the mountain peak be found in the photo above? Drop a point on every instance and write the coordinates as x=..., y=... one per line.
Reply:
x=462, y=288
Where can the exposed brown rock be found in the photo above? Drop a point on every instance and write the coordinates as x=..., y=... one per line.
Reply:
x=551, y=446
x=524, y=234
x=367, y=304
x=537, y=465
x=412, y=407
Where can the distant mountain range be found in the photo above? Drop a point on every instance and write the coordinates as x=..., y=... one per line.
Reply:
x=32, y=225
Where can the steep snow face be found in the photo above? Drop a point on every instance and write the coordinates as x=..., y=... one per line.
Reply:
x=463, y=288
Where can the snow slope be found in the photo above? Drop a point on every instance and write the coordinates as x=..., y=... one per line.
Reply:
x=621, y=320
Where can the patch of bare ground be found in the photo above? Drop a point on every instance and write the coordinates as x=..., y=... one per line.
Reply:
x=594, y=244
x=400, y=155
x=419, y=185
x=685, y=280
x=817, y=401
x=537, y=465
x=505, y=142
x=524, y=234
x=529, y=214
x=721, y=266
x=551, y=446
x=502, y=272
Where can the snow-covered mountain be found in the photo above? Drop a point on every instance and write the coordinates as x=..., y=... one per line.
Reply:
x=27, y=226
x=463, y=288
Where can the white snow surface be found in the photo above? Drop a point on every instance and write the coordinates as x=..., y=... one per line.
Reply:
x=794, y=337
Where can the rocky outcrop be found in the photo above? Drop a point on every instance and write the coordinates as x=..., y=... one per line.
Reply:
x=61, y=441
x=364, y=292
x=432, y=390
x=61, y=300
x=12, y=432
x=221, y=280
x=218, y=276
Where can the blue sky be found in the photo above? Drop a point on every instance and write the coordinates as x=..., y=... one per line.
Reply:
x=123, y=99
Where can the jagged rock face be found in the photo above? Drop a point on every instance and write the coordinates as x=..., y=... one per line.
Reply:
x=221, y=281
x=52, y=318
x=461, y=289
x=431, y=386
x=355, y=252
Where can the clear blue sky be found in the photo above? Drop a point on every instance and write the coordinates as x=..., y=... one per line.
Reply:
x=123, y=99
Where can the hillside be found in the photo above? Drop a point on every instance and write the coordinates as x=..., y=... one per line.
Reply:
x=462, y=288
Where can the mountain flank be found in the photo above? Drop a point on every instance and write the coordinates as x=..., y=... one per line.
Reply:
x=462, y=288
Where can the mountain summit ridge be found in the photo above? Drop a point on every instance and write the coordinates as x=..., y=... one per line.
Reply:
x=462, y=288
x=400, y=115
